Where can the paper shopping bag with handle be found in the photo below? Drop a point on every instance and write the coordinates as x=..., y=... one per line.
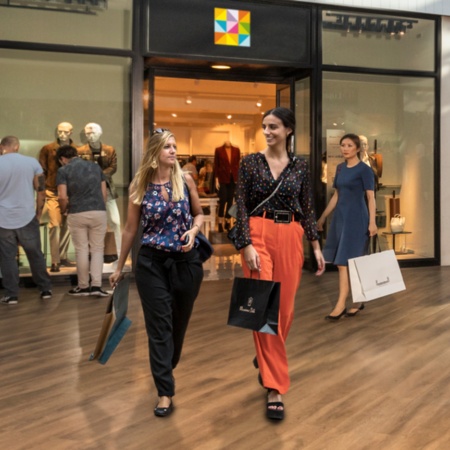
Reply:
x=374, y=276
x=255, y=305
x=115, y=323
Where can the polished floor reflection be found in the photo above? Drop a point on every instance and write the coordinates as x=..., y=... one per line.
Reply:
x=224, y=264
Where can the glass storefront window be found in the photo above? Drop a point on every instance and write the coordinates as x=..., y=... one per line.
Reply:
x=377, y=41
x=41, y=89
x=105, y=24
x=396, y=114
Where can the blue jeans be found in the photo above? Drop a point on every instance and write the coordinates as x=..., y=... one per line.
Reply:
x=30, y=239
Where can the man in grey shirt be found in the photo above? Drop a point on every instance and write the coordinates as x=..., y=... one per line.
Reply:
x=82, y=195
x=20, y=177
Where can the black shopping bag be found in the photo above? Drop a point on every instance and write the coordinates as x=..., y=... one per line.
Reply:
x=255, y=305
x=115, y=323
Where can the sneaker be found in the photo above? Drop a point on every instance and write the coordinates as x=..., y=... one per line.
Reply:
x=9, y=300
x=79, y=292
x=98, y=292
x=46, y=294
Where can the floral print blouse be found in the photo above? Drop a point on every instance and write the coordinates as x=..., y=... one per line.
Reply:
x=164, y=222
x=256, y=183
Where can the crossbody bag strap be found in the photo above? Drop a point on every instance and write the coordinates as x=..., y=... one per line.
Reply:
x=268, y=198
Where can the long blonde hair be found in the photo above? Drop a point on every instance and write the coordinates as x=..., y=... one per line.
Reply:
x=149, y=166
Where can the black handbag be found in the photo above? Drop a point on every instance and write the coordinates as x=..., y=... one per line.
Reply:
x=232, y=235
x=204, y=247
x=255, y=305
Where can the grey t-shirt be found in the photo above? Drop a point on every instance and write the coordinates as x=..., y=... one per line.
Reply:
x=84, y=185
x=17, y=202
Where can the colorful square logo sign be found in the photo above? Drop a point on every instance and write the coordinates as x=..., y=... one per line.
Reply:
x=231, y=27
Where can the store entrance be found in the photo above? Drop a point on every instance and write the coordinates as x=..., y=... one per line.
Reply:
x=204, y=113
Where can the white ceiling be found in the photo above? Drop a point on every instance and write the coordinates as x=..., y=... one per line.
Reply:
x=212, y=100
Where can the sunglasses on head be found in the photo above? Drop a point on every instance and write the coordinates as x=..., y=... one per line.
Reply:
x=160, y=130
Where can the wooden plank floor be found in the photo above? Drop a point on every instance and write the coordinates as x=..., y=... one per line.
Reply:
x=380, y=380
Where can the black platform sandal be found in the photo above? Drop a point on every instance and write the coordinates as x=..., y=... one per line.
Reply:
x=272, y=409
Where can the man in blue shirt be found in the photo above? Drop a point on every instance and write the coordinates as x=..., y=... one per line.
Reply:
x=20, y=177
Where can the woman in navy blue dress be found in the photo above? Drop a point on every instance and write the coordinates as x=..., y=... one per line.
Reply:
x=353, y=219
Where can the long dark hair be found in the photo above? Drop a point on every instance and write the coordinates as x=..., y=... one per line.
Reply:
x=287, y=117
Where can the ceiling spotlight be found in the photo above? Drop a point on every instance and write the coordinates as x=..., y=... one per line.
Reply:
x=174, y=115
x=188, y=100
x=229, y=116
x=220, y=67
x=259, y=103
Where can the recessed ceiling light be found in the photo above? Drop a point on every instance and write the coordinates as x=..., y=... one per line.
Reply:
x=220, y=67
x=188, y=100
x=229, y=116
x=259, y=103
x=174, y=115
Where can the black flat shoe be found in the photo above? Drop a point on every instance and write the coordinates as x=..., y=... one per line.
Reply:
x=334, y=318
x=272, y=409
x=352, y=314
x=164, y=412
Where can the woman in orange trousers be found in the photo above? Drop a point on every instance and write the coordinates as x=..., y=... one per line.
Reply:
x=269, y=230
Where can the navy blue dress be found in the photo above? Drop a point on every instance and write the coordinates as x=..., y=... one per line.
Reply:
x=348, y=234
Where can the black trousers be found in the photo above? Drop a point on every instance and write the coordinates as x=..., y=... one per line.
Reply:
x=168, y=284
x=226, y=195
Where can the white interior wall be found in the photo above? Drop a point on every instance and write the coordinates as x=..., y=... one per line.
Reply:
x=203, y=141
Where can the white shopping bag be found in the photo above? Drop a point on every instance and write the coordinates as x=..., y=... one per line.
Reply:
x=374, y=276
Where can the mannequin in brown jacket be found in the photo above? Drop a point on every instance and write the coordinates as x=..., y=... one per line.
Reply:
x=105, y=156
x=58, y=229
x=226, y=166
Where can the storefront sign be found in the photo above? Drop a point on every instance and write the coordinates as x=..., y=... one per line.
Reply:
x=230, y=30
x=231, y=27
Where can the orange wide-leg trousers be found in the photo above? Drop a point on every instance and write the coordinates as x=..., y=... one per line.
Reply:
x=280, y=248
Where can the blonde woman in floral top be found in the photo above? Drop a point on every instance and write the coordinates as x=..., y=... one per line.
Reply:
x=271, y=240
x=168, y=269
